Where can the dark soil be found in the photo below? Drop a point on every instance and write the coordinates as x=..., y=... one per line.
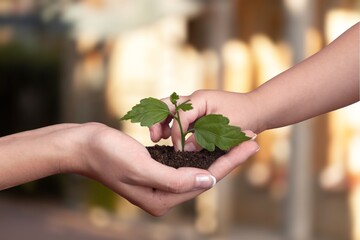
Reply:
x=168, y=156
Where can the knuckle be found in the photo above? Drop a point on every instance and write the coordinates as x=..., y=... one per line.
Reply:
x=198, y=92
x=175, y=186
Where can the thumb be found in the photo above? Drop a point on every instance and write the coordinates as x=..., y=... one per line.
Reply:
x=172, y=180
x=187, y=179
x=228, y=162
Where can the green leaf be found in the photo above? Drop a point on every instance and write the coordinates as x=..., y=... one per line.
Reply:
x=174, y=97
x=185, y=106
x=148, y=112
x=213, y=130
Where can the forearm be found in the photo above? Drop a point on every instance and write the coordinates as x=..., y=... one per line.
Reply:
x=32, y=155
x=324, y=82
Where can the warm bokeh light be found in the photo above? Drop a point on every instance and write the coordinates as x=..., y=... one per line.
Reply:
x=344, y=130
x=295, y=6
x=110, y=54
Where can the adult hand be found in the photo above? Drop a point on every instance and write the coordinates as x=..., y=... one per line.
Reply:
x=112, y=158
x=125, y=166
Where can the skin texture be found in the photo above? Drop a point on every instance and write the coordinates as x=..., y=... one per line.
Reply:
x=112, y=158
x=321, y=83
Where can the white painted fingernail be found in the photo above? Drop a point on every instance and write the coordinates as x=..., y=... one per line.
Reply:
x=214, y=180
x=205, y=181
x=254, y=137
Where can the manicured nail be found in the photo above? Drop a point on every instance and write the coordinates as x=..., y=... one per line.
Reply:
x=205, y=181
x=254, y=137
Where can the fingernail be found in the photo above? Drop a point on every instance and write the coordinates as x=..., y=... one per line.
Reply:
x=205, y=181
x=190, y=147
x=254, y=137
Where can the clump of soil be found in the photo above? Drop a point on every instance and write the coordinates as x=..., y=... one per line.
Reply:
x=168, y=156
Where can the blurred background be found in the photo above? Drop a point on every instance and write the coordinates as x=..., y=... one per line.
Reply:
x=92, y=60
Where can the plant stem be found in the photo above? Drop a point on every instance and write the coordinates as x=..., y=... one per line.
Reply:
x=182, y=134
x=177, y=118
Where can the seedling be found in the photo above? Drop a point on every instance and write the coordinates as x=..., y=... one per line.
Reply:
x=210, y=131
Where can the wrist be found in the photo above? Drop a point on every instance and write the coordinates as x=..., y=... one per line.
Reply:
x=82, y=142
x=73, y=148
x=254, y=113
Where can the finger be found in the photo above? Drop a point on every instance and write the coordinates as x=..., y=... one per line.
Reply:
x=250, y=134
x=154, y=201
x=191, y=145
x=175, y=128
x=176, y=131
x=160, y=130
x=187, y=118
x=228, y=162
x=169, y=179
x=187, y=179
x=165, y=200
x=156, y=132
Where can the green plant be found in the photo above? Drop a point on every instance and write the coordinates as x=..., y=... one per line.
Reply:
x=210, y=131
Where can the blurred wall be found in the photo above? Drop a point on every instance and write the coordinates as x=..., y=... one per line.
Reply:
x=106, y=62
